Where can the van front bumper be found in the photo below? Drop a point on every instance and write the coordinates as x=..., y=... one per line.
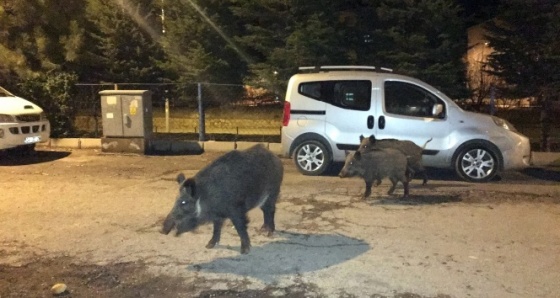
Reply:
x=518, y=156
x=20, y=134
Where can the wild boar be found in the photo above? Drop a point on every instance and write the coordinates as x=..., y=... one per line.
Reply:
x=228, y=188
x=376, y=165
x=409, y=148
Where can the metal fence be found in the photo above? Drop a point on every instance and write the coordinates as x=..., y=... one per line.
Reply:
x=236, y=112
x=193, y=111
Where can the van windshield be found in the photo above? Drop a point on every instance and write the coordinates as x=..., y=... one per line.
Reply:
x=5, y=93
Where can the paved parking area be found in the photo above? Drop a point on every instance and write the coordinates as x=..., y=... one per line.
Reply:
x=92, y=221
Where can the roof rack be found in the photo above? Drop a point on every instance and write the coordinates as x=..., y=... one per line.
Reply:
x=343, y=67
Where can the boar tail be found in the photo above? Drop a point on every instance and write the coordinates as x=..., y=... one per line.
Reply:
x=424, y=147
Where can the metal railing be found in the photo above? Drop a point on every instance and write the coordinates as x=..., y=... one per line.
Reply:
x=201, y=111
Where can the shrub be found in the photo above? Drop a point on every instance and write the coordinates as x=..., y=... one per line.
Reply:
x=56, y=94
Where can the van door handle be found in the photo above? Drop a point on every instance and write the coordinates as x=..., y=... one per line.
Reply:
x=381, y=123
x=370, y=122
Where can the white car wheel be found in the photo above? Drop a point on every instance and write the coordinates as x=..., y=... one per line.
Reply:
x=476, y=164
x=312, y=158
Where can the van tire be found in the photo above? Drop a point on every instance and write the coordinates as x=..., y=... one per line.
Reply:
x=476, y=163
x=22, y=151
x=312, y=158
x=28, y=150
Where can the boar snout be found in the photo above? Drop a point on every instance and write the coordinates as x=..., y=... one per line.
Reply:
x=168, y=224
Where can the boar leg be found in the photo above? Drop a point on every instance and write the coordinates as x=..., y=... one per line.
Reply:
x=268, y=210
x=368, y=188
x=409, y=173
x=405, y=184
x=393, y=185
x=240, y=221
x=425, y=177
x=218, y=223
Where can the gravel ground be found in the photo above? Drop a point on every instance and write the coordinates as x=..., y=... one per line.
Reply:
x=91, y=221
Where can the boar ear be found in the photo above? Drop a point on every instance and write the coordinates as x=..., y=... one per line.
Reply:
x=372, y=139
x=357, y=155
x=180, y=178
x=190, y=186
x=361, y=138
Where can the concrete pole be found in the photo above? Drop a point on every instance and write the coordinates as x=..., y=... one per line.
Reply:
x=167, y=115
x=201, y=122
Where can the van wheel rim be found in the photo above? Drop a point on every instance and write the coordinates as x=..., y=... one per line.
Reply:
x=310, y=158
x=477, y=164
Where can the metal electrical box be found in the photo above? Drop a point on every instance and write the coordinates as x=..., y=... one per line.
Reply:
x=127, y=120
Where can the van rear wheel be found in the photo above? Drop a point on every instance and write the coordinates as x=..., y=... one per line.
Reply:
x=312, y=158
x=476, y=164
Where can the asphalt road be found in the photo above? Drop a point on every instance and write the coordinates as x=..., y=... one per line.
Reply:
x=448, y=239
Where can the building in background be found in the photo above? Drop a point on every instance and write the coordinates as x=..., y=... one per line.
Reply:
x=485, y=87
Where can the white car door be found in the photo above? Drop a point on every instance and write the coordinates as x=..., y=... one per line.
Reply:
x=407, y=114
x=350, y=112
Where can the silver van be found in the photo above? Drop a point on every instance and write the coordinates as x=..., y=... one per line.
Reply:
x=327, y=109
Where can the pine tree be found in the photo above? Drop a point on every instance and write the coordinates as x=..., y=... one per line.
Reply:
x=126, y=40
x=280, y=36
x=200, y=49
x=422, y=38
x=425, y=39
x=525, y=37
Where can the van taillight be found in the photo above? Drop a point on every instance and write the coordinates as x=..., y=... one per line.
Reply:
x=286, y=118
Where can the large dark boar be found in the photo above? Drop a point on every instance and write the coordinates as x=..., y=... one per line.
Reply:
x=376, y=165
x=409, y=148
x=229, y=187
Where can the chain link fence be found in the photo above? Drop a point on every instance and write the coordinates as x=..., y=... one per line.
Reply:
x=229, y=112
x=237, y=112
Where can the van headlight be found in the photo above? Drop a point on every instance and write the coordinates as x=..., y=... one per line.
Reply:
x=504, y=124
x=6, y=118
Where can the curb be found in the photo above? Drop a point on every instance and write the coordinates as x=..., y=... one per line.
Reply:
x=545, y=159
x=538, y=159
x=163, y=146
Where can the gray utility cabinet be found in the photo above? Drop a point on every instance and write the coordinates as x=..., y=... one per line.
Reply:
x=127, y=113
x=127, y=121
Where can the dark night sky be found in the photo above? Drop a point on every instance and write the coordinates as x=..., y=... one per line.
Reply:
x=479, y=10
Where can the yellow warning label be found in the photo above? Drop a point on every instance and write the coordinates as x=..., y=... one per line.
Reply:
x=133, y=107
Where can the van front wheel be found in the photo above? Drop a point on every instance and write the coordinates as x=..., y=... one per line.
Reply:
x=476, y=164
x=312, y=158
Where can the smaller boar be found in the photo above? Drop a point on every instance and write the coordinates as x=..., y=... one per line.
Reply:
x=408, y=148
x=376, y=165
x=228, y=188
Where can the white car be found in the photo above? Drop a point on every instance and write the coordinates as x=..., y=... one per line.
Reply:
x=22, y=123
x=328, y=108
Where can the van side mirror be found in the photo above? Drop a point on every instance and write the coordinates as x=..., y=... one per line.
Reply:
x=437, y=109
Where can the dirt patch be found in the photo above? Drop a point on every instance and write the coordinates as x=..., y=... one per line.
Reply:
x=423, y=197
x=133, y=280
x=36, y=278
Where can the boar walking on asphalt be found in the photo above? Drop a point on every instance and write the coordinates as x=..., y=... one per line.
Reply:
x=409, y=148
x=376, y=165
x=228, y=188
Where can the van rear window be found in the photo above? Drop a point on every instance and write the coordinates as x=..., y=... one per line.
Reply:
x=353, y=94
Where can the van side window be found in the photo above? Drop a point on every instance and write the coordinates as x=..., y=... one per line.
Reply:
x=410, y=100
x=311, y=89
x=354, y=95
